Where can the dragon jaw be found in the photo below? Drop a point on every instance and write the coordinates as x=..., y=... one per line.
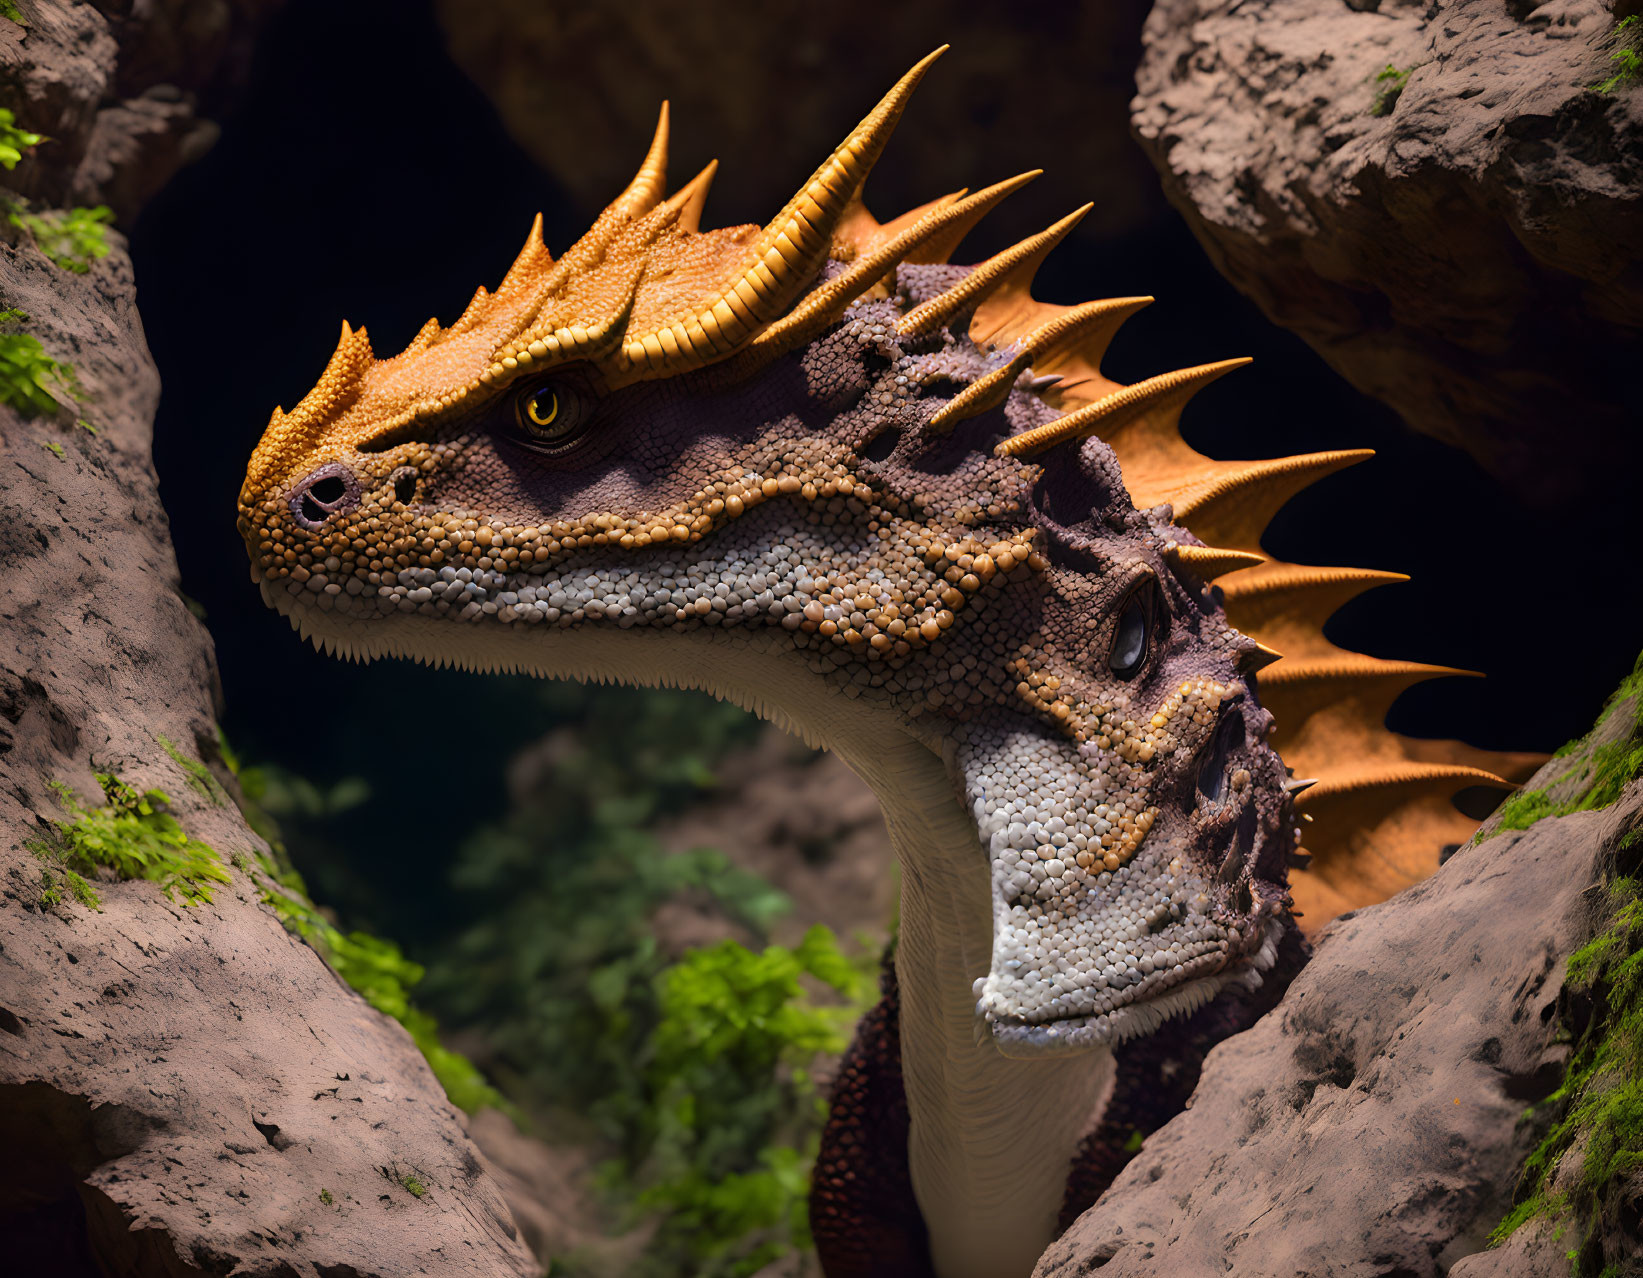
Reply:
x=815, y=470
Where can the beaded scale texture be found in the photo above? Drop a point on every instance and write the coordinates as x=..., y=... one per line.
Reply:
x=818, y=446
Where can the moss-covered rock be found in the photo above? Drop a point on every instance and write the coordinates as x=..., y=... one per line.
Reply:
x=1586, y=773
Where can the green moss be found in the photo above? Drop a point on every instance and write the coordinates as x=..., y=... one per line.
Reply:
x=9, y=10
x=131, y=834
x=1602, y=773
x=1626, y=55
x=325, y=1197
x=71, y=238
x=55, y=449
x=30, y=380
x=414, y=1186
x=1389, y=84
x=199, y=776
x=13, y=140
x=1600, y=1101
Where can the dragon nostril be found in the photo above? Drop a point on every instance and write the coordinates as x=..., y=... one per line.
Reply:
x=322, y=493
x=1229, y=735
x=881, y=445
x=328, y=491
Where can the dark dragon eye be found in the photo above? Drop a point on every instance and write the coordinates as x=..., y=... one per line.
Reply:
x=1132, y=636
x=551, y=415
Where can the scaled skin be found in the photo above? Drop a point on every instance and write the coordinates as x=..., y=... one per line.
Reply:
x=1048, y=700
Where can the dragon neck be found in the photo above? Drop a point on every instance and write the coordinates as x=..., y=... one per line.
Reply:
x=992, y=1138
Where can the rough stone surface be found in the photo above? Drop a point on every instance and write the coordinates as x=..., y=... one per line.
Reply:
x=550, y=1190
x=578, y=87
x=1471, y=256
x=177, y=1085
x=1370, y=1125
x=122, y=91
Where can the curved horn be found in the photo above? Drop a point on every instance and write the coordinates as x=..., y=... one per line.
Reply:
x=650, y=182
x=690, y=198
x=785, y=255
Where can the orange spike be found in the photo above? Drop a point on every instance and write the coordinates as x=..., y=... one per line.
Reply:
x=940, y=248
x=1288, y=604
x=1355, y=779
x=689, y=199
x=828, y=302
x=1231, y=503
x=1209, y=562
x=424, y=337
x=532, y=258
x=782, y=259
x=1020, y=262
x=1092, y=324
x=649, y=183
x=1334, y=707
x=1164, y=394
x=1375, y=834
x=870, y=234
x=859, y=233
x=1253, y=660
x=473, y=312
x=573, y=342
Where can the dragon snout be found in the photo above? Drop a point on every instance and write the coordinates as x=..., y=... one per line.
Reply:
x=327, y=490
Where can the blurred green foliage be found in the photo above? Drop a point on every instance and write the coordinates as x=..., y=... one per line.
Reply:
x=13, y=140
x=28, y=375
x=696, y=1072
x=557, y=967
x=730, y=1114
x=133, y=834
x=71, y=238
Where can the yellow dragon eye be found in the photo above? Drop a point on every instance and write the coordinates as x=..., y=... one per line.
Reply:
x=552, y=415
x=541, y=407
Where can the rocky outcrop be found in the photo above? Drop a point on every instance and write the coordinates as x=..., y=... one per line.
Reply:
x=1433, y=196
x=123, y=92
x=183, y=1089
x=578, y=86
x=1375, y=1122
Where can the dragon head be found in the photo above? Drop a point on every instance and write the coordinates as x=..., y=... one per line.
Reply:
x=813, y=467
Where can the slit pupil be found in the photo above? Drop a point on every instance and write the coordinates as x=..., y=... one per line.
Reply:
x=405, y=487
